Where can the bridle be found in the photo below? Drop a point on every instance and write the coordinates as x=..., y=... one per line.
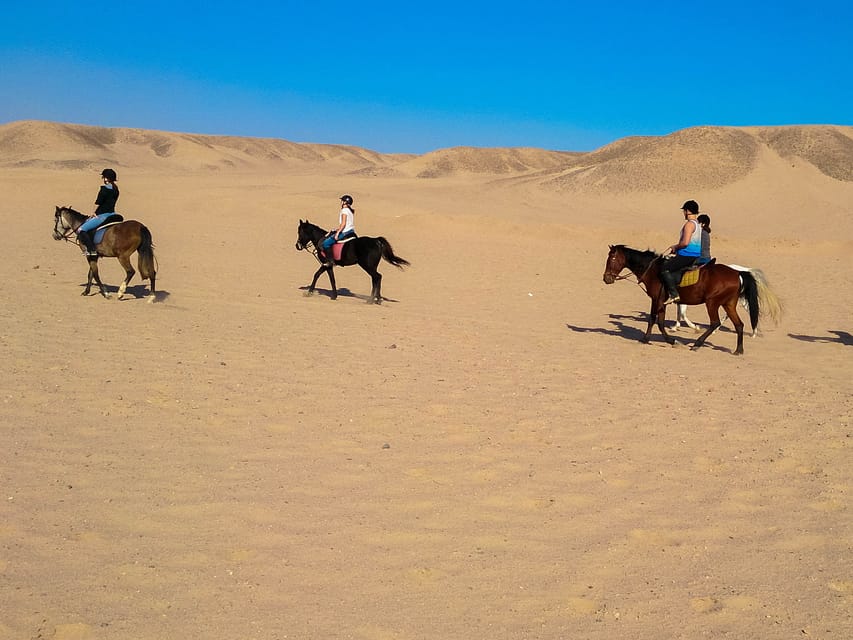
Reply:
x=67, y=229
x=312, y=249
x=639, y=279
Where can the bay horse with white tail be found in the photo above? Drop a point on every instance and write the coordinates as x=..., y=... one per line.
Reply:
x=717, y=286
x=362, y=250
x=681, y=313
x=119, y=241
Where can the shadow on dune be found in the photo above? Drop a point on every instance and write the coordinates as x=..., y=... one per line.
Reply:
x=842, y=337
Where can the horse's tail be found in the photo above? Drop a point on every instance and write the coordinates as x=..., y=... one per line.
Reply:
x=147, y=262
x=749, y=292
x=771, y=306
x=388, y=254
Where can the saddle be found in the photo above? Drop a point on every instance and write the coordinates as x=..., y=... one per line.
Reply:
x=338, y=247
x=98, y=234
x=691, y=275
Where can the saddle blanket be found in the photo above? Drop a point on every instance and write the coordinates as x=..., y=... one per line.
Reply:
x=99, y=232
x=338, y=247
x=691, y=276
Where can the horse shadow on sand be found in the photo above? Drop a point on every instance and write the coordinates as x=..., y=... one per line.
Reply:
x=343, y=292
x=622, y=329
x=841, y=337
x=136, y=291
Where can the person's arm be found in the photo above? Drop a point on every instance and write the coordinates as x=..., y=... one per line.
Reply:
x=340, y=227
x=685, y=238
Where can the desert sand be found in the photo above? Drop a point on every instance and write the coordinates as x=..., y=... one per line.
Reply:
x=490, y=453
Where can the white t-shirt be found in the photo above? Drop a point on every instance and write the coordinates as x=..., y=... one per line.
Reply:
x=348, y=218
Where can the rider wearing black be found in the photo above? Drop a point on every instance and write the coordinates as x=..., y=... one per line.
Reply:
x=105, y=203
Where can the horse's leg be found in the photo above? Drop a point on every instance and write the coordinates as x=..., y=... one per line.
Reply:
x=682, y=310
x=124, y=261
x=661, y=317
x=375, y=294
x=93, y=275
x=714, y=316
x=310, y=291
x=331, y=271
x=652, y=312
x=731, y=309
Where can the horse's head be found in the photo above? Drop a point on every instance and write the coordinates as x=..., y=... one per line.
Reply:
x=616, y=262
x=307, y=233
x=63, y=223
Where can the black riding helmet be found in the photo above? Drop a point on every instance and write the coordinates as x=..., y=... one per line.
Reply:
x=347, y=200
x=109, y=174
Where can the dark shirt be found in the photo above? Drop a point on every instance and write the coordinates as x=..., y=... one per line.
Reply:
x=106, y=199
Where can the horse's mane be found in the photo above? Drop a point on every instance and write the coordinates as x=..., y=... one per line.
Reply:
x=74, y=211
x=637, y=255
x=313, y=227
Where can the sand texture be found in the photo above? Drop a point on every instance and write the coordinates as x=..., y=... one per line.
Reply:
x=491, y=453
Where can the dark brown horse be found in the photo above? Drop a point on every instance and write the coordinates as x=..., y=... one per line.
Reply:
x=364, y=251
x=718, y=286
x=118, y=241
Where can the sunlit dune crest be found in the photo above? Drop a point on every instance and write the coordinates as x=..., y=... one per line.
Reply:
x=698, y=158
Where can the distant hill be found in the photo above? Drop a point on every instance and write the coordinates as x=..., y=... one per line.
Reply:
x=691, y=159
x=55, y=145
x=703, y=158
x=494, y=161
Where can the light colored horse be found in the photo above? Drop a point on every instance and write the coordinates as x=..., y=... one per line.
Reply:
x=681, y=314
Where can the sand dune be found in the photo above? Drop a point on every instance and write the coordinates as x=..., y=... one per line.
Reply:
x=490, y=453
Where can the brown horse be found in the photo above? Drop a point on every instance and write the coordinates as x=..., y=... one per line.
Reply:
x=119, y=241
x=718, y=286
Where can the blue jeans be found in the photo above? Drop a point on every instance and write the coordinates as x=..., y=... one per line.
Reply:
x=329, y=240
x=94, y=221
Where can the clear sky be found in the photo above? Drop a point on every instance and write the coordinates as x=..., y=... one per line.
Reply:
x=417, y=76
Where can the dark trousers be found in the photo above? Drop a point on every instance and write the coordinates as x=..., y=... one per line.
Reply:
x=671, y=270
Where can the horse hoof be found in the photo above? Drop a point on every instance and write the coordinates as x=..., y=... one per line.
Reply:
x=308, y=294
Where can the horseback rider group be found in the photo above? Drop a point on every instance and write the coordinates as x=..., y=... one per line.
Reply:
x=693, y=248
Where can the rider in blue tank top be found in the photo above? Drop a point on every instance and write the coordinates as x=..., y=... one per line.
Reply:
x=686, y=250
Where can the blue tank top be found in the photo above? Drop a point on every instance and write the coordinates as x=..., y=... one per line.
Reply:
x=694, y=246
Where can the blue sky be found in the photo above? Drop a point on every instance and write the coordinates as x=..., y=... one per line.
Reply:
x=414, y=77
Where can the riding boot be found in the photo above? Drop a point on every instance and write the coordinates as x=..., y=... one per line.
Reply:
x=670, y=282
x=85, y=239
x=328, y=259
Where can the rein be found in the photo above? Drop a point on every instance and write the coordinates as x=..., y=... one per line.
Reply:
x=639, y=279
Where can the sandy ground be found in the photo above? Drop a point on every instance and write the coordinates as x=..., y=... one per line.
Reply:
x=491, y=453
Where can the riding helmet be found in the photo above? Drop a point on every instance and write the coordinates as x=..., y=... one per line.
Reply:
x=347, y=200
x=692, y=206
x=109, y=174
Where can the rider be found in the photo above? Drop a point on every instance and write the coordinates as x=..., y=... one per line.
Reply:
x=105, y=206
x=704, y=221
x=686, y=250
x=346, y=229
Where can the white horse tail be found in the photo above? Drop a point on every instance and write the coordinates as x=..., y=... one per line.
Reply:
x=770, y=304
